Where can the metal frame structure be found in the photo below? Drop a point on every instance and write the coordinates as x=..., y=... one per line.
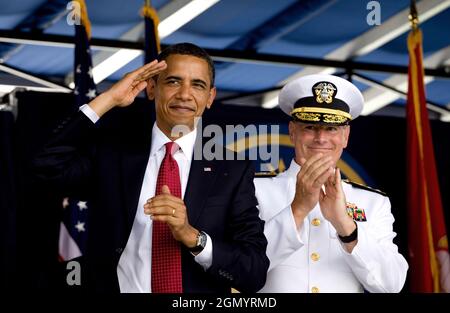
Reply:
x=225, y=55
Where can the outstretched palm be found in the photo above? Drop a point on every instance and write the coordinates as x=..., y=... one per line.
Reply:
x=125, y=91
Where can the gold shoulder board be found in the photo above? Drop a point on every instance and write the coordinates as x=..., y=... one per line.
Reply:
x=360, y=186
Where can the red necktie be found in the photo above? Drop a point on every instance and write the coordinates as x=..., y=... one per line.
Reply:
x=166, y=253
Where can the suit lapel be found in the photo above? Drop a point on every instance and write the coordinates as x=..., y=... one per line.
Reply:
x=134, y=159
x=133, y=165
x=202, y=176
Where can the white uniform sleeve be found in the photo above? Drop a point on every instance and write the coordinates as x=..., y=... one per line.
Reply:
x=283, y=236
x=375, y=260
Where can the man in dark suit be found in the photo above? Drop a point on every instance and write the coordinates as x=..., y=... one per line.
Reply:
x=213, y=220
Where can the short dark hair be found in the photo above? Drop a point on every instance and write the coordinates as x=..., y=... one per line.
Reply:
x=186, y=48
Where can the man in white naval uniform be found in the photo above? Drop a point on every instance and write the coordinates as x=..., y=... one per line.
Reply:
x=324, y=234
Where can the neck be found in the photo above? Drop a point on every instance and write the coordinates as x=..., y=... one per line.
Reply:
x=175, y=132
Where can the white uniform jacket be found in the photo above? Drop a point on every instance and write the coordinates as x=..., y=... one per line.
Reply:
x=312, y=258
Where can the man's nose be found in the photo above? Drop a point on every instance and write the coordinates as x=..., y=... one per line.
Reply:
x=184, y=92
x=320, y=135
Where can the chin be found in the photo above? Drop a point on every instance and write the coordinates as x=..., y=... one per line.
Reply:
x=314, y=152
x=183, y=123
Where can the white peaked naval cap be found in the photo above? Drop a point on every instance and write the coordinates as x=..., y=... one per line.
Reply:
x=321, y=99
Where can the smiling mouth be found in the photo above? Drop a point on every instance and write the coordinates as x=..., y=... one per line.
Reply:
x=319, y=149
x=181, y=108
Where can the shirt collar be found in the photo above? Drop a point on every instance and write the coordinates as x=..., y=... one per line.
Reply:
x=293, y=169
x=186, y=142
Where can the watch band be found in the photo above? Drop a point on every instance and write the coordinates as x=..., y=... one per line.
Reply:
x=201, y=243
x=352, y=237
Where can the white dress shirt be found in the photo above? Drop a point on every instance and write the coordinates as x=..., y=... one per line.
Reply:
x=134, y=268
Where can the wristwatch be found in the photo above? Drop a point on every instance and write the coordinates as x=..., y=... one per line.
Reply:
x=201, y=243
x=352, y=237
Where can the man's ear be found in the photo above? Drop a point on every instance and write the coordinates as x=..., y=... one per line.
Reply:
x=291, y=131
x=346, y=135
x=212, y=96
x=150, y=89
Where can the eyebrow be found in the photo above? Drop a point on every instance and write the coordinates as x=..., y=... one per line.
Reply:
x=320, y=126
x=178, y=78
x=172, y=78
x=200, y=81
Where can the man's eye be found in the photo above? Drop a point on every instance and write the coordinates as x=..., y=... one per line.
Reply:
x=199, y=85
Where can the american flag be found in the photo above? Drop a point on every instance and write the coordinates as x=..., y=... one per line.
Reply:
x=85, y=89
x=73, y=231
x=151, y=43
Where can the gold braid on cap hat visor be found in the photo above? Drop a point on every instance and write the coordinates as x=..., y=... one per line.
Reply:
x=330, y=115
x=334, y=119
x=305, y=116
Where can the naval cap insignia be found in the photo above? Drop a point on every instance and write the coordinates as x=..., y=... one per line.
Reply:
x=324, y=91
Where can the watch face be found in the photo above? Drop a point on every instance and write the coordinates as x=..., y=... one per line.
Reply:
x=201, y=243
x=201, y=240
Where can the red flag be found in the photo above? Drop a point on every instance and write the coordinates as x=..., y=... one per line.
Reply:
x=428, y=247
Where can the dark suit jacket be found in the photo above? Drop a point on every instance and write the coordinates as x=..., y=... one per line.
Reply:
x=106, y=162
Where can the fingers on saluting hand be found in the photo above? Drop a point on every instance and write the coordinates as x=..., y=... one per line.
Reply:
x=147, y=71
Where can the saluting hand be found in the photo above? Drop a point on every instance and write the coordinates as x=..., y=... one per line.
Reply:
x=124, y=92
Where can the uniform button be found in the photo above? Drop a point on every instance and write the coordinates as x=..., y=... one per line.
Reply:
x=315, y=256
x=315, y=290
x=315, y=222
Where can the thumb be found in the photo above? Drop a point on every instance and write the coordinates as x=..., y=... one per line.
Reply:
x=338, y=180
x=322, y=194
x=302, y=161
x=338, y=176
x=165, y=190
